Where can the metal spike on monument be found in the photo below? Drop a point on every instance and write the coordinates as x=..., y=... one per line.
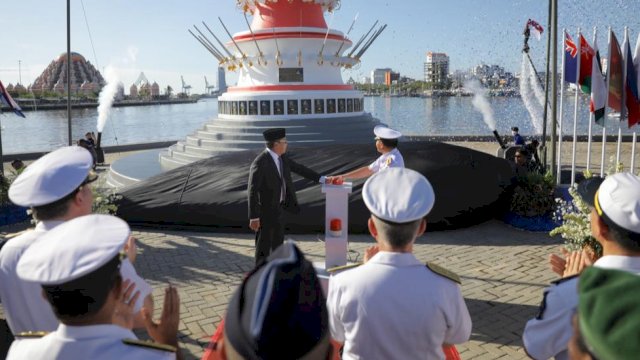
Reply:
x=207, y=46
x=362, y=39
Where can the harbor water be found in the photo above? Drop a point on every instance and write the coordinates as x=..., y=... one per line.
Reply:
x=443, y=116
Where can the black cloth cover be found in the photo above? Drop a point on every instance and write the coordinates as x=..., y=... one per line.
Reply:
x=212, y=193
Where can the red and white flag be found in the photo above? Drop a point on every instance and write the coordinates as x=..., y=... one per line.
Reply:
x=536, y=28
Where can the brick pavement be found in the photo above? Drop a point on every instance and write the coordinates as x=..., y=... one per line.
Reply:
x=503, y=271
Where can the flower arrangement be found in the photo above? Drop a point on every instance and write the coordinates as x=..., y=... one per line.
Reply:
x=104, y=199
x=533, y=195
x=575, y=218
x=576, y=223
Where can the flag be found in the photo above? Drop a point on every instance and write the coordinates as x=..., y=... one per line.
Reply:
x=571, y=62
x=570, y=59
x=598, y=93
x=586, y=59
x=615, y=74
x=537, y=28
x=632, y=101
x=636, y=63
x=7, y=100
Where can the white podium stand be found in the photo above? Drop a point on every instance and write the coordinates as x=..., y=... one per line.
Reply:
x=337, y=208
x=336, y=247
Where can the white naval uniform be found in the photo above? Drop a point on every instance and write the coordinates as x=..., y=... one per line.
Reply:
x=24, y=306
x=548, y=334
x=394, y=307
x=391, y=159
x=84, y=342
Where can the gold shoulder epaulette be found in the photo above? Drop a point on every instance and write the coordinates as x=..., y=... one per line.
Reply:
x=32, y=334
x=12, y=235
x=444, y=272
x=343, y=267
x=149, y=345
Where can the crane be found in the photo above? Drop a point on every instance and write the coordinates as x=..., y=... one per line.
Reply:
x=208, y=89
x=185, y=87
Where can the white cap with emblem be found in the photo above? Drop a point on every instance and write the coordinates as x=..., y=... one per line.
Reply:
x=52, y=177
x=73, y=249
x=398, y=195
x=384, y=132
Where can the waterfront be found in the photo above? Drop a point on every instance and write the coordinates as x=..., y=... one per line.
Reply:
x=444, y=116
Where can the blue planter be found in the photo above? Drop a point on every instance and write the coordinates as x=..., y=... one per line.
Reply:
x=531, y=223
x=11, y=214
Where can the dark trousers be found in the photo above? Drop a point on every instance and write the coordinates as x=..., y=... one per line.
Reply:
x=270, y=235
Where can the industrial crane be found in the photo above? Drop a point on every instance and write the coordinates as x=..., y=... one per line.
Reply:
x=185, y=87
x=208, y=89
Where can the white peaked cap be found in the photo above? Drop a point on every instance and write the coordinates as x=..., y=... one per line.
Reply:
x=52, y=177
x=73, y=249
x=398, y=195
x=384, y=132
x=619, y=198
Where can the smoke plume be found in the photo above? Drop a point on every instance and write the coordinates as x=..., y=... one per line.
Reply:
x=107, y=96
x=480, y=102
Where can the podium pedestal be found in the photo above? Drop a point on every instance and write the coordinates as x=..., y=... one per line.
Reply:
x=337, y=211
x=336, y=246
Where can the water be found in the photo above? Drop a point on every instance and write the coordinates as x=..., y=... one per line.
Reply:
x=47, y=130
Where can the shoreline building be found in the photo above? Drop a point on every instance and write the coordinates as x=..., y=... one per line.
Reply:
x=436, y=69
x=85, y=78
x=378, y=76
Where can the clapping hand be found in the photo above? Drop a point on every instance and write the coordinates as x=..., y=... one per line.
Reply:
x=166, y=330
x=578, y=261
x=558, y=263
x=123, y=313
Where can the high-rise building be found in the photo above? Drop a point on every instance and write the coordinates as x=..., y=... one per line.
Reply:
x=222, y=82
x=378, y=76
x=436, y=68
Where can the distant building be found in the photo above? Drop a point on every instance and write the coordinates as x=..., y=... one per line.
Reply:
x=155, y=89
x=378, y=75
x=222, y=82
x=391, y=77
x=366, y=80
x=436, y=68
x=133, y=91
x=54, y=77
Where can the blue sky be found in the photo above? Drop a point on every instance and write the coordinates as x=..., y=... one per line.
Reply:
x=151, y=35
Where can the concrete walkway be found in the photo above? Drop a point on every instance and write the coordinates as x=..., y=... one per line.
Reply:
x=503, y=270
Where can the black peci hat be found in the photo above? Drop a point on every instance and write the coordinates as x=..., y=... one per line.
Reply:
x=274, y=134
x=279, y=310
x=515, y=128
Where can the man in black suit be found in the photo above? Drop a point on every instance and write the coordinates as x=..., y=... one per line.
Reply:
x=271, y=191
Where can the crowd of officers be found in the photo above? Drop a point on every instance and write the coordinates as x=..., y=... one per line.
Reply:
x=70, y=290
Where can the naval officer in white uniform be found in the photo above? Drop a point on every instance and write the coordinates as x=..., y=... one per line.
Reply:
x=615, y=224
x=77, y=267
x=387, y=145
x=393, y=306
x=57, y=188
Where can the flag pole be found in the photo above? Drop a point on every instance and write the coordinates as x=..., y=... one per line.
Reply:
x=546, y=96
x=69, y=71
x=604, y=119
x=559, y=169
x=554, y=83
x=633, y=153
x=623, y=114
x=575, y=109
x=589, y=137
